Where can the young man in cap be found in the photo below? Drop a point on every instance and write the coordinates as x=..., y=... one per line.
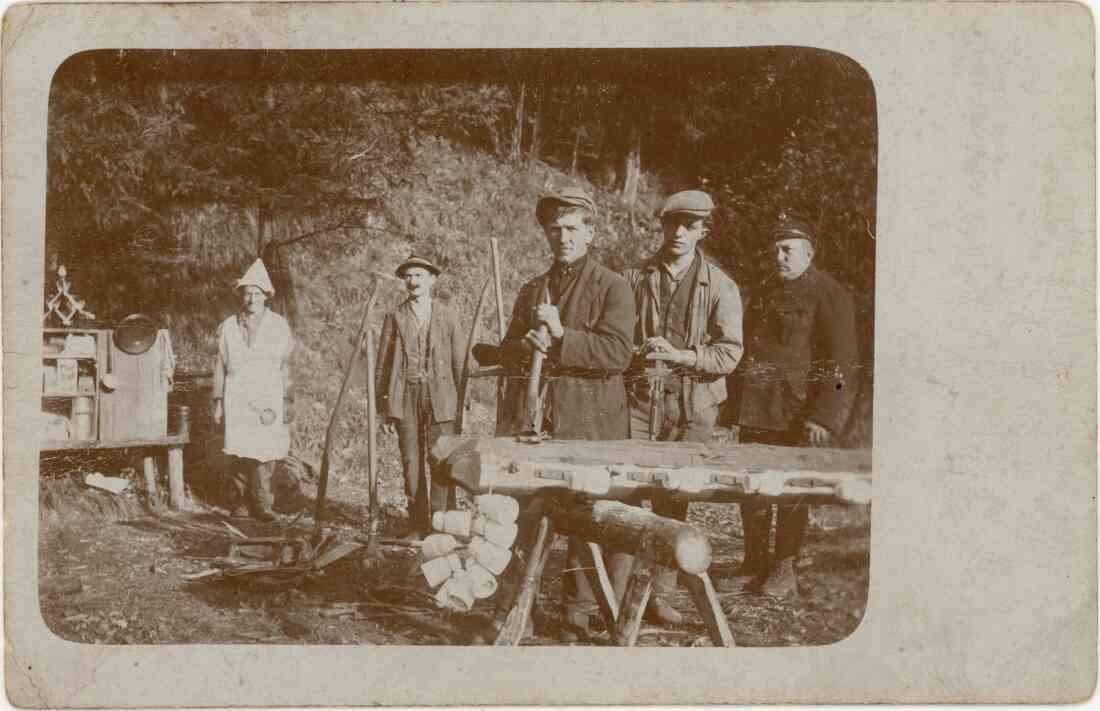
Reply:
x=252, y=391
x=588, y=311
x=420, y=356
x=687, y=336
x=796, y=387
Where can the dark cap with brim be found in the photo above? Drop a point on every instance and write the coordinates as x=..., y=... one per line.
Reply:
x=688, y=202
x=572, y=197
x=415, y=261
x=791, y=226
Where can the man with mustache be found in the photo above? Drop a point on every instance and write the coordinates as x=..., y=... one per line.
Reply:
x=796, y=387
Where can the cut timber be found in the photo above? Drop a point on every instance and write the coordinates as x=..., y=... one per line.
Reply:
x=149, y=467
x=636, y=469
x=619, y=527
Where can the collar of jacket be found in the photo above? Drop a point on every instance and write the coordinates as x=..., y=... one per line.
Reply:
x=652, y=268
x=406, y=321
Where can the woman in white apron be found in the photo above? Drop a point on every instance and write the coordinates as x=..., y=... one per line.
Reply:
x=252, y=392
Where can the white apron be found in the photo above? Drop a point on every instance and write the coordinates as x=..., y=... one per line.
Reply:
x=253, y=398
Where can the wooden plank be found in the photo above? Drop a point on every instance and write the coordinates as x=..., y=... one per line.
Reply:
x=710, y=608
x=176, y=491
x=167, y=441
x=635, y=600
x=600, y=581
x=138, y=407
x=511, y=632
x=149, y=467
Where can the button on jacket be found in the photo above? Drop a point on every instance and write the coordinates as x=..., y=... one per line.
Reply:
x=801, y=354
x=446, y=351
x=585, y=396
x=713, y=327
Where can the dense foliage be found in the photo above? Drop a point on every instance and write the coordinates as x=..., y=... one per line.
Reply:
x=174, y=169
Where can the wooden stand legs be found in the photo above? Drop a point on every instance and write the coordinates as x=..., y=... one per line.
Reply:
x=511, y=633
x=176, y=491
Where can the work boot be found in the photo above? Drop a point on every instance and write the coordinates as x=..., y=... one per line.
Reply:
x=659, y=611
x=264, y=516
x=779, y=582
x=736, y=580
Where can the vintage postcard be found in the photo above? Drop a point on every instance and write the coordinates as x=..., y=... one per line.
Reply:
x=548, y=353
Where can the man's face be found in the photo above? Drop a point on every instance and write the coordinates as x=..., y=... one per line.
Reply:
x=418, y=281
x=569, y=237
x=682, y=232
x=792, y=257
x=253, y=299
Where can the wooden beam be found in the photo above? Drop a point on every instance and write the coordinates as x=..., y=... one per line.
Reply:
x=167, y=441
x=600, y=581
x=710, y=608
x=176, y=491
x=511, y=632
x=635, y=600
x=149, y=469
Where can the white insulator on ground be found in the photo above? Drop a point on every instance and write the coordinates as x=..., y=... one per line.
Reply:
x=498, y=508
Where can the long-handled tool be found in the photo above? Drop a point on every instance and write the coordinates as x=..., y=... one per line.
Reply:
x=468, y=363
x=374, y=550
x=363, y=337
x=495, y=248
x=532, y=414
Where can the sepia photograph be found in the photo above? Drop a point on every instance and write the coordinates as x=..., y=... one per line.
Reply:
x=458, y=347
x=556, y=353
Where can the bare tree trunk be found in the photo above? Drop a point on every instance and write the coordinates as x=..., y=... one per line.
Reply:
x=576, y=150
x=536, y=126
x=632, y=164
x=517, y=130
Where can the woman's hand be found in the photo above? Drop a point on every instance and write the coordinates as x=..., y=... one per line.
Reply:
x=219, y=411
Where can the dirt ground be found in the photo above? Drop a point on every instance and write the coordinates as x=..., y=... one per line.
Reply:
x=110, y=573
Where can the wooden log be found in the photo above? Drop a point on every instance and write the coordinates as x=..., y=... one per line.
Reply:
x=176, y=491
x=149, y=469
x=60, y=445
x=635, y=599
x=617, y=526
x=710, y=609
x=637, y=469
x=511, y=632
x=600, y=581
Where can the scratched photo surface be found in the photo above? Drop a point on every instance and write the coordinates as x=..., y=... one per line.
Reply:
x=208, y=472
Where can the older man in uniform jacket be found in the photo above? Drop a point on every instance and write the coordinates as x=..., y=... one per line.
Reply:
x=796, y=387
x=689, y=318
x=588, y=311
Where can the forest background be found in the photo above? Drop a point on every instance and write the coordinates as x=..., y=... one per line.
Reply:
x=170, y=171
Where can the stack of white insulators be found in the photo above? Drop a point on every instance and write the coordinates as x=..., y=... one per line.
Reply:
x=488, y=533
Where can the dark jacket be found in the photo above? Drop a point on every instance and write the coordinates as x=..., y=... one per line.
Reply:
x=444, y=359
x=800, y=355
x=714, y=327
x=585, y=395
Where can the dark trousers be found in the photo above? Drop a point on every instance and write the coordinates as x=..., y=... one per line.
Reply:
x=791, y=518
x=250, y=482
x=417, y=432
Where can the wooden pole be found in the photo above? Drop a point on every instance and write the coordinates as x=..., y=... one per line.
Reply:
x=468, y=364
x=149, y=467
x=501, y=326
x=635, y=599
x=600, y=581
x=511, y=633
x=326, y=452
x=372, y=435
x=176, y=491
x=710, y=609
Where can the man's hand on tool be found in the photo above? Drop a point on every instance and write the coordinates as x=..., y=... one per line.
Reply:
x=548, y=314
x=537, y=341
x=815, y=434
x=658, y=348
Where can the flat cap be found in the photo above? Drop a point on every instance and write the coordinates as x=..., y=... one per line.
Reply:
x=415, y=261
x=690, y=202
x=790, y=225
x=573, y=196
